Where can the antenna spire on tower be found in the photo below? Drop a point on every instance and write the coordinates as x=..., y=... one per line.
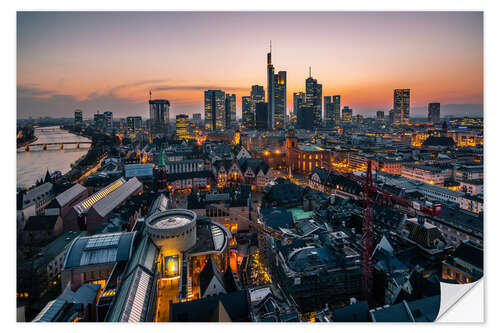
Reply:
x=270, y=46
x=150, y=94
x=310, y=71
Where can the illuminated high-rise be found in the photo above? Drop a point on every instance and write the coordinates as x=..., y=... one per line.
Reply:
x=314, y=92
x=434, y=113
x=258, y=94
x=159, y=112
x=215, y=110
x=279, y=100
x=270, y=90
x=401, y=107
x=332, y=111
x=261, y=116
x=99, y=121
x=248, y=112
x=230, y=110
x=346, y=115
x=181, y=126
x=108, y=120
x=78, y=118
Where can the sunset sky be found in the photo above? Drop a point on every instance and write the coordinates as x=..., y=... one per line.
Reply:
x=110, y=61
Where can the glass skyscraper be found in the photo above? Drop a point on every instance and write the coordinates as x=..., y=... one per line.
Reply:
x=299, y=98
x=401, y=107
x=332, y=111
x=279, y=100
x=248, y=112
x=346, y=115
x=215, y=110
x=314, y=92
x=181, y=126
x=78, y=118
x=230, y=110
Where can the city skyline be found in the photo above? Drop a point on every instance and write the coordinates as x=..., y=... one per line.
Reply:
x=438, y=56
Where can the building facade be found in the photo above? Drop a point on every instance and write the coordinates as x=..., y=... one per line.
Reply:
x=401, y=107
x=159, y=114
x=215, y=110
x=181, y=126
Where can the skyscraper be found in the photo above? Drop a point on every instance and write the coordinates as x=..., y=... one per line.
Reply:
x=78, y=118
x=270, y=89
x=215, y=110
x=99, y=121
x=336, y=109
x=401, y=107
x=279, y=100
x=391, y=116
x=380, y=116
x=230, y=110
x=314, y=93
x=258, y=94
x=108, y=120
x=332, y=111
x=159, y=114
x=248, y=112
x=434, y=113
x=181, y=126
x=299, y=99
x=346, y=115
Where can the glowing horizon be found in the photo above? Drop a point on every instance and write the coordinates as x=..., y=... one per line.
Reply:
x=110, y=60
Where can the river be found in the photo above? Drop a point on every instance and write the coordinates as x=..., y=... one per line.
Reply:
x=34, y=164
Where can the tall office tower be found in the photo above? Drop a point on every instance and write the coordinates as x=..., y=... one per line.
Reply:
x=434, y=113
x=332, y=111
x=299, y=99
x=401, y=107
x=181, y=126
x=279, y=100
x=346, y=115
x=215, y=110
x=357, y=119
x=134, y=125
x=336, y=109
x=197, y=119
x=261, y=116
x=230, y=110
x=380, y=116
x=314, y=99
x=99, y=120
x=108, y=120
x=391, y=116
x=270, y=89
x=248, y=111
x=258, y=94
x=159, y=114
x=78, y=118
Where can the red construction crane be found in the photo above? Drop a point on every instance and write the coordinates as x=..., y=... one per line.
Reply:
x=371, y=193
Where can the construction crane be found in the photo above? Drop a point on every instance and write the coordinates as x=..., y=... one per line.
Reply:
x=371, y=194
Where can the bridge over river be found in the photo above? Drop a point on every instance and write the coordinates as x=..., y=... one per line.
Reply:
x=55, y=136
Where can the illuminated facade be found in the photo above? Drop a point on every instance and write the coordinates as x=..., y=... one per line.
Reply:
x=215, y=110
x=270, y=91
x=299, y=98
x=401, y=107
x=108, y=120
x=230, y=110
x=314, y=92
x=279, y=100
x=78, y=118
x=134, y=125
x=181, y=126
x=380, y=116
x=248, y=112
x=332, y=111
x=346, y=115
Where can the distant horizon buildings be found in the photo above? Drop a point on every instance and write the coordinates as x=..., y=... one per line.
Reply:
x=78, y=118
x=108, y=120
x=434, y=113
x=401, y=107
